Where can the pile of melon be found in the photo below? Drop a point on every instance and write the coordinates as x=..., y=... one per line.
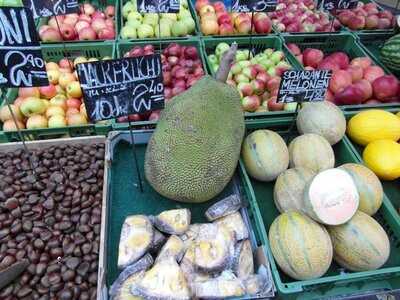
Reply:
x=379, y=131
x=325, y=211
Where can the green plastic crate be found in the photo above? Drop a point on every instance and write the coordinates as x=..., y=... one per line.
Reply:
x=121, y=22
x=123, y=199
x=100, y=4
x=337, y=281
x=274, y=32
x=55, y=53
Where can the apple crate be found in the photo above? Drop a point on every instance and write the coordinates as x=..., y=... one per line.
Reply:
x=227, y=3
x=345, y=42
x=366, y=31
x=98, y=4
x=259, y=45
x=123, y=47
x=337, y=281
x=55, y=53
x=121, y=22
x=122, y=198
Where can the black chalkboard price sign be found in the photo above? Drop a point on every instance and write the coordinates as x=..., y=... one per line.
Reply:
x=21, y=60
x=47, y=8
x=336, y=4
x=120, y=87
x=303, y=86
x=158, y=6
x=244, y=6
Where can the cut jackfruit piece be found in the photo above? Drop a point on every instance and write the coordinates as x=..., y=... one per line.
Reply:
x=217, y=288
x=214, y=247
x=164, y=281
x=137, y=236
x=226, y=206
x=187, y=264
x=234, y=222
x=173, y=247
x=174, y=221
x=190, y=235
x=158, y=242
x=121, y=289
x=195, y=148
x=254, y=284
x=242, y=263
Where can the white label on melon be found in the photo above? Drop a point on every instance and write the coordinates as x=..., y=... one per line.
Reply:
x=333, y=196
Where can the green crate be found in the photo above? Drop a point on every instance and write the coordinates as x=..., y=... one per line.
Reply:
x=123, y=199
x=274, y=32
x=121, y=22
x=336, y=282
x=351, y=110
x=100, y=4
x=344, y=42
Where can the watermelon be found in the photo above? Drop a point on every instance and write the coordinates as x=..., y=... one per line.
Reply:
x=369, y=187
x=390, y=54
x=331, y=197
x=360, y=244
x=289, y=188
x=311, y=151
x=265, y=155
x=301, y=247
x=322, y=118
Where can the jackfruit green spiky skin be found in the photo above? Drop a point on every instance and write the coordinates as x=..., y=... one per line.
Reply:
x=195, y=148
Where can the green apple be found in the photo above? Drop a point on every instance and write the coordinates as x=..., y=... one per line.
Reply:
x=214, y=68
x=171, y=16
x=221, y=48
x=267, y=63
x=32, y=106
x=271, y=71
x=244, y=63
x=240, y=55
x=151, y=21
x=184, y=13
x=145, y=31
x=184, y=3
x=230, y=75
x=150, y=15
x=277, y=56
x=213, y=59
x=128, y=32
x=248, y=54
x=13, y=3
x=127, y=9
x=57, y=121
x=290, y=106
x=268, y=52
x=133, y=23
x=165, y=31
x=167, y=21
x=260, y=56
x=179, y=29
x=190, y=24
x=134, y=15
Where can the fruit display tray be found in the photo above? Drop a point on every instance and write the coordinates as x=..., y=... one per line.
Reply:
x=121, y=22
x=123, y=198
x=100, y=4
x=337, y=281
x=55, y=53
x=126, y=46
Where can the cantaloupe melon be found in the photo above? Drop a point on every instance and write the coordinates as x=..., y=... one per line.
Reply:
x=289, y=188
x=331, y=197
x=360, y=244
x=311, y=151
x=369, y=187
x=265, y=155
x=301, y=247
x=322, y=118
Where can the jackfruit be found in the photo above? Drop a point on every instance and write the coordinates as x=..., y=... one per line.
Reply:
x=195, y=148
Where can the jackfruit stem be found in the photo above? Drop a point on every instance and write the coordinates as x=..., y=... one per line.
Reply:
x=225, y=63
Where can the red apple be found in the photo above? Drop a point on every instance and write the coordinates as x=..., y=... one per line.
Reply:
x=250, y=72
x=350, y=95
x=329, y=96
x=372, y=73
x=365, y=87
x=341, y=58
x=371, y=22
x=246, y=88
x=385, y=14
x=345, y=17
x=356, y=72
x=72, y=102
x=364, y=62
x=383, y=23
x=273, y=105
x=136, y=51
x=264, y=76
x=109, y=34
x=81, y=24
x=155, y=115
x=312, y=57
x=225, y=18
x=273, y=83
x=372, y=101
x=357, y=23
x=51, y=35
x=328, y=64
x=109, y=12
x=251, y=103
x=226, y=29
x=86, y=34
x=177, y=90
x=259, y=86
x=384, y=87
x=200, y=4
x=339, y=79
x=87, y=9
x=294, y=49
x=263, y=26
x=98, y=24
x=68, y=32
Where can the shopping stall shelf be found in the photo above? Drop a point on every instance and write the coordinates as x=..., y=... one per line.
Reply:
x=337, y=281
x=122, y=198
